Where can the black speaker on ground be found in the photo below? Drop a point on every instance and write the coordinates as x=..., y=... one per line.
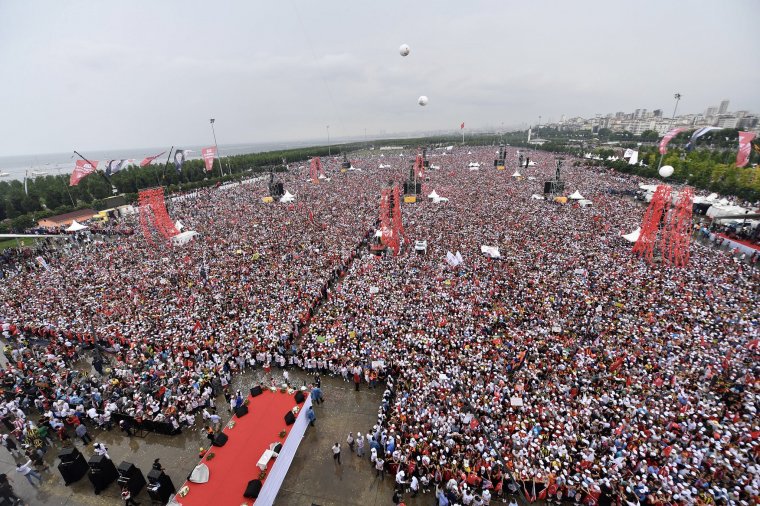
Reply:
x=300, y=397
x=102, y=472
x=255, y=391
x=253, y=489
x=277, y=448
x=241, y=411
x=131, y=477
x=69, y=454
x=290, y=418
x=220, y=439
x=160, y=486
x=73, y=465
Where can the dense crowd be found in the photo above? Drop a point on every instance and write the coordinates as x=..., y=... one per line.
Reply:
x=565, y=369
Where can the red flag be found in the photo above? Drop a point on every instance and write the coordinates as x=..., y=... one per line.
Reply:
x=81, y=170
x=745, y=146
x=461, y=127
x=668, y=136
x=208, y=156
x=146, y=161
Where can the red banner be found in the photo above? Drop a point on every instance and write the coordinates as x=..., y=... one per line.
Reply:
x=149, y=159
x=668, y=136
x=208, y=156
x=81, y=170
x=745, y=146
x=461, y=127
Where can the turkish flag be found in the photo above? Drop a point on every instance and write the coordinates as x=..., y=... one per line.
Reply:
x=745, y=146
x=208, y=156
x=149, y=159
x=461, y=127
x=81, y=170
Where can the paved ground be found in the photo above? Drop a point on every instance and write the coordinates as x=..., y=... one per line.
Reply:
x=312, y=479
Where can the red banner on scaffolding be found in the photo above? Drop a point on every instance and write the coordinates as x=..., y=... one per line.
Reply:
x=208, y=157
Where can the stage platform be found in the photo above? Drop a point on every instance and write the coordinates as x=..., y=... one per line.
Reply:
x=235, y=464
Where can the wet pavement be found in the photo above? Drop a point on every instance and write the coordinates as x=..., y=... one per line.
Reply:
x=313, y=477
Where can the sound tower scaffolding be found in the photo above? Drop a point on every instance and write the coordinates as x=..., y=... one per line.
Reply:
x=500, y=163
x=556, y=186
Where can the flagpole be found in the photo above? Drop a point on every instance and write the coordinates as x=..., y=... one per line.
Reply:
x=221, y=170
x=677, y=96
x=163, y=175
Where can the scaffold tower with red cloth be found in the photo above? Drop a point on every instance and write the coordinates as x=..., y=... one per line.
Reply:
x=658, y=208
x=316, y=170
x=154, y=216
x=677, y=233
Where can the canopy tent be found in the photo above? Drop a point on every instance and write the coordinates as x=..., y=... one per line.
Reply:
x=288, y=197
x=717, y=210
x=517, y=174
x=491, y=251
x=76, y=227
x=633, y=236
x=433, y=195
x=585, y=203
x=184, y=238
x=536, y=196
x=473, y=166
x=576, y=196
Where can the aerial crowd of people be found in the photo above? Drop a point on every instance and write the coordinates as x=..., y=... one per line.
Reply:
x=563, y=368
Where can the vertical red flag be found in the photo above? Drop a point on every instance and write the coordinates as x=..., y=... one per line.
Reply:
x=461, y=127
x=208, y=156
x=666, y=139
x=745, y=146
x=81, y=170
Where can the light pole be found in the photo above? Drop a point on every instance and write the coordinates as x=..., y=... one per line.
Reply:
x=221, y=170
x=328, y=140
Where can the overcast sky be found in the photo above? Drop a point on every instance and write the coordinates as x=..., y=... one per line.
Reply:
x=99, y=75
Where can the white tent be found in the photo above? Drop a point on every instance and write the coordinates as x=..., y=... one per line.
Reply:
x=633, y=236
x=517, y=174
x=585, y=203
x=473, y=166
x=536, y=196
x=437, y=199
x=288, y=197
x=576, y=196
x=433, y=195
x=184, y=238
x=76, y=227
x=491, y=251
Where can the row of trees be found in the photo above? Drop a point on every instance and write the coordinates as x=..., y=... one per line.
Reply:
x=44, y=196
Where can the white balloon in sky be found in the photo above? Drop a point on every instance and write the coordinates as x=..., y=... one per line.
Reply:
x=404, y=50
x=423, y=100
x=666, y=171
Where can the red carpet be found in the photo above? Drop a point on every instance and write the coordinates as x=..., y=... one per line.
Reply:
x=740, y=241
x=234, y=464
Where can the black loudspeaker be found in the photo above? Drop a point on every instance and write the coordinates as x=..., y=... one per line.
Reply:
x=300, y=397
x=102, y=472
x=220, y=439
x=253, y=489
x=131, y=477
x=290, y=418
x=161, y=487
x=241, y=411
x=73, y=465
x=548, y=187
x=277, y=448
x=256, y=391
x=69, y=454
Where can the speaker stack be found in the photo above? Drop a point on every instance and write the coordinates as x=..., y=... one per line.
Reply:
x=253, y=489
x=300, y=397
x=131, y=477
x=220, y=439
x=241, y=411
x=290, y=418
x=102, y=472
x=256, y=391
x=73, y=466
x=160, y=486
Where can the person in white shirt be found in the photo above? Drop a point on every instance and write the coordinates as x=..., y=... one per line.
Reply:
x=414, y=486
x=27, y=471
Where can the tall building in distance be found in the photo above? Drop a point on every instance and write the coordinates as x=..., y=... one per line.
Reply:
x=723, y=109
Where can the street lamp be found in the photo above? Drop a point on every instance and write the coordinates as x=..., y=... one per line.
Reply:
x=677, y=96
x=221, y=170
x=328, y=140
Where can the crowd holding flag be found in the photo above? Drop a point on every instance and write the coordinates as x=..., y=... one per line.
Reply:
x=208, y=157
x=745, y=146
x=179, y=160
x=82, y=169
